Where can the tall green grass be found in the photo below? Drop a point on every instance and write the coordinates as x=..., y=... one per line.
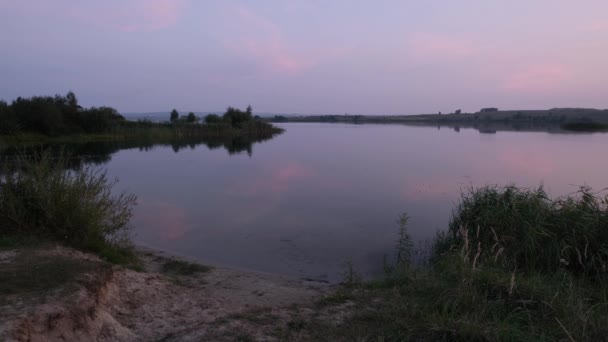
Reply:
x=40, y=196
x=524, y=230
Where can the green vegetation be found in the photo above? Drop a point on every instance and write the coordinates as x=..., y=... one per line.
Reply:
x=36, y=273
x=513, y=266
x=61, y=118
x=40, y=197
x=58, y=115
x=585, y=127
x=487, y=119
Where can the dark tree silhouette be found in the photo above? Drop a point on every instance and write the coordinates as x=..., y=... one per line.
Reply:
x=212, y=119
x=174, y=115
x=191, y=118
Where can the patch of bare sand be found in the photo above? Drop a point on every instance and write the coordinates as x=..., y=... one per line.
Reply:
x=124, y=305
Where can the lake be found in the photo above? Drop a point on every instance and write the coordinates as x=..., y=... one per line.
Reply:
x=320, y=195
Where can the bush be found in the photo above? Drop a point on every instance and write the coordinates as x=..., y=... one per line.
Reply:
x=522, y=229
x=40, y=197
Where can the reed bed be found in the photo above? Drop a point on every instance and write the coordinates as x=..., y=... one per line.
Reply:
x=514, y=265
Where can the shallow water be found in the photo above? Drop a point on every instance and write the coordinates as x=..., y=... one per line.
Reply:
x=319, y=195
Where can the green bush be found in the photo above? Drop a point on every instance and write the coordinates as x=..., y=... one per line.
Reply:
x=41, y=197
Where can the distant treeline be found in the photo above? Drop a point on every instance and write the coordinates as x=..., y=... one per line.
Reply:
x=555, y=116
x=62, y=115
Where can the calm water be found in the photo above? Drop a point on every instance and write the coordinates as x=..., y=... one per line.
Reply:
x=319, y=195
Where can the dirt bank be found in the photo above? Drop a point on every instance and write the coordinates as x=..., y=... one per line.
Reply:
x=58, y=294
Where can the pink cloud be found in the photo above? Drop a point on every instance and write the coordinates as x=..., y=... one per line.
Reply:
x=538, y=78
x=167, y=220
x=276, y=182
x=263, y=41
x=598, y=26
x=430, y=188
x=132, y=15
x=531, y=162
x=123, y=15
x=427, y=46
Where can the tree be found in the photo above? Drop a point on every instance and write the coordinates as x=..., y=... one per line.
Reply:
x=191, y=118
x=8, y=119
x=174, y=115
x=249, y=110
x=458, y=111
x=71, y=100
x=212, y=119
x=100, y=120
x=237, y=117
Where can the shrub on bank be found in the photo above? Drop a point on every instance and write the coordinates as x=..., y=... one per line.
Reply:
x=41, y=197
x=524, y=230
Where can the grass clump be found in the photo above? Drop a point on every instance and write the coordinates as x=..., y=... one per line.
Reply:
x=514, y=265
x=183, y=268
x=524, y=230
x=38, y=274
x=40, y=197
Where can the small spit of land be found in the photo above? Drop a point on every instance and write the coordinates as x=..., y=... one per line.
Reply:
x=60, y=119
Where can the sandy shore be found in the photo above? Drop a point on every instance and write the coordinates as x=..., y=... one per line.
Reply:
x=111, y=303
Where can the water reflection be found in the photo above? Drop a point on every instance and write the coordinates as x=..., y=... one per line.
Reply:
x=323, y=194
x=492, y=127
x=101, y=152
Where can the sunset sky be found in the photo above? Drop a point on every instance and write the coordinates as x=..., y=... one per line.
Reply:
x=308, y=56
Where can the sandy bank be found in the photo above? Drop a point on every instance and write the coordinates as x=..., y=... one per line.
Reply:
x=97, y=301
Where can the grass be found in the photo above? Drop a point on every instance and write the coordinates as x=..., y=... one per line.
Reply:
x=183, y=268
x=514, y=265
x=33, y=274
x=42, y=199
x=524, y=230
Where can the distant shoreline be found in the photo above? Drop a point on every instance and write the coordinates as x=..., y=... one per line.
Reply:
x=556, y=115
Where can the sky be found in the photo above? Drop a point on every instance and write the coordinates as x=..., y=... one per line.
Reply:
x=308, y=56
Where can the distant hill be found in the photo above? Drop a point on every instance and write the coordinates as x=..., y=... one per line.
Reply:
x=554, y=115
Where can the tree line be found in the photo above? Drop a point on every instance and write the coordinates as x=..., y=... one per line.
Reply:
x=232, y=116
x=62, y=115
x=55, y=115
